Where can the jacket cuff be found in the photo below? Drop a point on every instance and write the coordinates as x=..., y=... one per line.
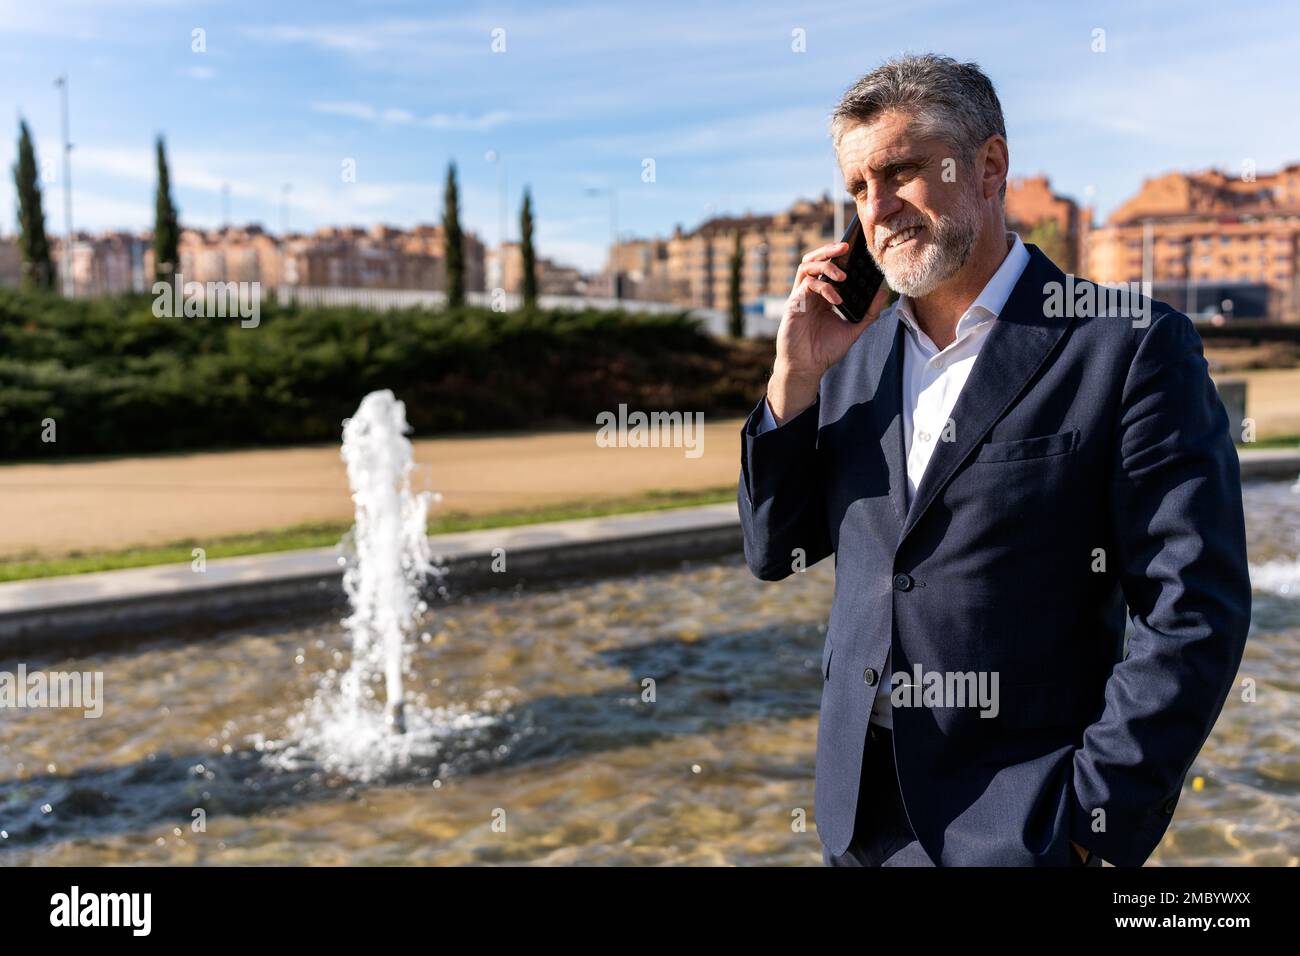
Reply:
x=782, y=444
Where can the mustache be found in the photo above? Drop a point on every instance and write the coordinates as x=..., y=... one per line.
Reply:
x=885, y=233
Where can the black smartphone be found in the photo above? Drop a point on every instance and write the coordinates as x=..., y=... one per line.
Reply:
x=863, y=278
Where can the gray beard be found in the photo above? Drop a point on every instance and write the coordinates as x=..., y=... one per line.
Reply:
x=951, y=240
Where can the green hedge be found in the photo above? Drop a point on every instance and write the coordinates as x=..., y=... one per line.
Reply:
x=1249, y=331
x=118, y=380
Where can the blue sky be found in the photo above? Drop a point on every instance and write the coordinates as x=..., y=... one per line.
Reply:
x=733, y=118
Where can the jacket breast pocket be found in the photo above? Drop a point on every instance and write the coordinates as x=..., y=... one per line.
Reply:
x=826, y=659
x=1027, y=449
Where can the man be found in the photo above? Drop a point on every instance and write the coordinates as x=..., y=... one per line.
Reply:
x=998, y=465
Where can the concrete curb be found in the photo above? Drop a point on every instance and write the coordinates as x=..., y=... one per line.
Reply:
x=48, y=613
x=1269, y=463
x=44, y=613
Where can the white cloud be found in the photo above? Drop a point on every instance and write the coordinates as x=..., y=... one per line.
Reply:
x=374, y=40
x=354, y=110
x=395, y=116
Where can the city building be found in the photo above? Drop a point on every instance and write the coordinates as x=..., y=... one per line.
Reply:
x=102, y=264
x=380, y=257
x=11, y=263
x=694, y=268
x=1056, y=224
x=1209, y=242
x=244, y=254
x=505, y=269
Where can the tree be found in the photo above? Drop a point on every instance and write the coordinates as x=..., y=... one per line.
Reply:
x=453, y=242
x=1047, y=237
x=528, y=258
x=736, y=318
x=166, y=226
x=33, y=246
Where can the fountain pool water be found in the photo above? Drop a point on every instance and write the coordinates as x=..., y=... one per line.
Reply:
x=556, y=740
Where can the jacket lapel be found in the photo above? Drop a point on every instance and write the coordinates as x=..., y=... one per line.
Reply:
x=879, y=388
x=885, y=370
x=1017, y=345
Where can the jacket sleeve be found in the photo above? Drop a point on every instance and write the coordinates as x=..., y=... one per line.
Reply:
x=780, y=495
x=1178, y=533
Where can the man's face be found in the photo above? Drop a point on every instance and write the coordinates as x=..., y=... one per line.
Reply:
x=920, y=230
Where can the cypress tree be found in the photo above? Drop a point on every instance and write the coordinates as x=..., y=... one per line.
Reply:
x=453, y=244
x=527, y=256
x=34, y=247
x=166, y=229
x=736, y=318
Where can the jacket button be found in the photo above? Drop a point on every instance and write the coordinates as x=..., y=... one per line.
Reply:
x=1169, y=805
x=869, y=676
x=903, y=582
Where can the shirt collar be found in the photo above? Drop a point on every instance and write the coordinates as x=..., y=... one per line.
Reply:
x=992, y=298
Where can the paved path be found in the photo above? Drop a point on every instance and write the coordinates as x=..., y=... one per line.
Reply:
x=117, y=504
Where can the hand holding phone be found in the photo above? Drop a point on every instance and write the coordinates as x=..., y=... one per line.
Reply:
x=820, y=323
x=862, y=278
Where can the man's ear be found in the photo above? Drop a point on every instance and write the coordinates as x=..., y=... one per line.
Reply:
x=994, y=164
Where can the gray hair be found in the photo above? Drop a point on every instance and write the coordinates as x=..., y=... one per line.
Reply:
x=947, y=100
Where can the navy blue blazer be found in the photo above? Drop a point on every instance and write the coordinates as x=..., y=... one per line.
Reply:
x=1090, y=466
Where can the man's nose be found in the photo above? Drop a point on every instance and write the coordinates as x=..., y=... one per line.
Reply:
x=878, y=208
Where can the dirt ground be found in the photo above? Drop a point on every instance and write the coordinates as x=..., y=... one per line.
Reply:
x=128, y=502
x=1272, y=399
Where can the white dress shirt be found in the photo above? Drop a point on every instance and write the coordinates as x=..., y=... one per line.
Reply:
x=932, y=380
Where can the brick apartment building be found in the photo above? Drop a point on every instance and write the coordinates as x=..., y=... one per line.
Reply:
x=505, y=270
x=1205, y=238
x=1208, y=237
x=380, y=257
x=694, y=268
x=1058, y=225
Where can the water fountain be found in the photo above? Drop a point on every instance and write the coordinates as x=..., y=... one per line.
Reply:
x=1281, y=575
x=348, y=726
x=392, y=551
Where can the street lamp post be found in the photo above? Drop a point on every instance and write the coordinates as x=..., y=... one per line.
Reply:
x=493, y=156
x=69, y=277
x=225, y=229
x=288, y=268
x=1148, y=257
x=613, y=233
x=285, y=190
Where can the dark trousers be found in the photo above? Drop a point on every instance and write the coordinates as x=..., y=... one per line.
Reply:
x=881, y=834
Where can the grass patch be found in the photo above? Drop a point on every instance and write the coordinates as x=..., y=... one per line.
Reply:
x=1275, y=441
x=327, y=534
